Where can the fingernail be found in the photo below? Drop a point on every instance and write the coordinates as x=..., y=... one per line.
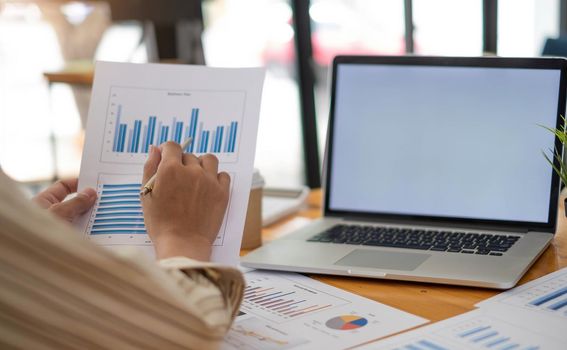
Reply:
x=152, y=149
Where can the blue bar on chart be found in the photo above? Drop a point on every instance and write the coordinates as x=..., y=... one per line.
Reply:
x=549, y=297
x=559, y=305
x=149, y=132
x=119, y=210
x=490, y=338
x=424, y=345
x=138, y=137
x=117, y=130
x=474, y=331
x=121, y=138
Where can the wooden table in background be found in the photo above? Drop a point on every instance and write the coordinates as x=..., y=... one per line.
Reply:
x=76, y=73
x=432, y=301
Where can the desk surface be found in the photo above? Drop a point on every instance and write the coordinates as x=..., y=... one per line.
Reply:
x=436, y=302
x=81, y=72
x=75, y=73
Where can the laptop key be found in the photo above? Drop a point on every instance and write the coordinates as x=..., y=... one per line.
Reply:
x=356, y=242
x=498, y=249
x=381, y=244
x=438, y=249
x=467, y=251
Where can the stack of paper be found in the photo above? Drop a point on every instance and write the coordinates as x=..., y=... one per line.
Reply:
x=291, y=311
x=532, y=316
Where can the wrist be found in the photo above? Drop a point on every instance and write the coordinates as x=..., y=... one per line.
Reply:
x=171, y=245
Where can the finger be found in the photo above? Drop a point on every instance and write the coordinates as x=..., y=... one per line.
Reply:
x=69, y=184
x=210, y=163
x=224, y=180
x=190, y=159
x=150, y=168
x=72, y=208
x=171, y=152
x=56, y=192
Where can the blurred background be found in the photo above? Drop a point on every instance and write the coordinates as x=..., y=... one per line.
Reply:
x=47, y=50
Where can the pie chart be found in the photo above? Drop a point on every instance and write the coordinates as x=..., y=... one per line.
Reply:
x=346, y=322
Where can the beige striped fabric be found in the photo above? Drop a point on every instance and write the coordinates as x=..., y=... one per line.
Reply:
x=59, y=291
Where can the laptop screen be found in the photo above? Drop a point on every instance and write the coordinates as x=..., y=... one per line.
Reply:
x=443, y=141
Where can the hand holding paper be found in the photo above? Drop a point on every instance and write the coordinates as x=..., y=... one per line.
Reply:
x=135, y=106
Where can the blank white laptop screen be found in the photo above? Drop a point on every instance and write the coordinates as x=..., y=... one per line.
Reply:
x=457, y=142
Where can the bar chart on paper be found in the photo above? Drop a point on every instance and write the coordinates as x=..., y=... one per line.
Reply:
x=138, y=118
x=117, y=216
x=490, y=333
x=477, y=332
x=290, y=311
x=279, y=300
x=546, y=295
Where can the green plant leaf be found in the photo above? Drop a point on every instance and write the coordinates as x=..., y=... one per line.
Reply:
x=561, y=134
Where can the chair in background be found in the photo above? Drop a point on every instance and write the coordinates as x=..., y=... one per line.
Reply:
x=123, y=31
x=79, y=28
x=555, y=47
x=176, y=26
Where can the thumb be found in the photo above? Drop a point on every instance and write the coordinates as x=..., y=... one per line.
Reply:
x=70, y=209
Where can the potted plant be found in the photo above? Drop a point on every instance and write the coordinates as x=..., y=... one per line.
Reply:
x=562, y=169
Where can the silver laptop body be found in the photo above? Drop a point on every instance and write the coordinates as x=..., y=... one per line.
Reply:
x=434, y=172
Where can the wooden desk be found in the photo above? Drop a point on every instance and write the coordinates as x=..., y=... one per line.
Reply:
x=434, y=302
x=82, y=73
x=76, y=73
x=72, y=78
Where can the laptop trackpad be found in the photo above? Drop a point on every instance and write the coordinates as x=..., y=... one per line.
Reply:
x=383, y=260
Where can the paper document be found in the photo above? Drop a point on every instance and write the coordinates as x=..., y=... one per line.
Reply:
x=546, y=295
x=478, y=329
x=543, y=300
x=291, y=311
x=134, y=106
x=529, y=317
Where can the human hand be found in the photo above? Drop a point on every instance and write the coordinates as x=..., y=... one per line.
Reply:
x=52, y=199
x=184, y=211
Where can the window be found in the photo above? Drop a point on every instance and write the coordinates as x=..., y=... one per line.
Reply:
x=524, y=25
x=360, y=27
x=240, y=33
x=25, y=117
x=447, y=27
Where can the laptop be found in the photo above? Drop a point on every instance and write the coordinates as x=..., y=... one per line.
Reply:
x=434, y=172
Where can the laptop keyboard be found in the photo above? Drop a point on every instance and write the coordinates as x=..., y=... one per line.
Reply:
x=440, y=241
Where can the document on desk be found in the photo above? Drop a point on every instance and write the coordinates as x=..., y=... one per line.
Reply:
x=134, y=106
x=478, y=329
x=531, y=316
x=543, y=300
x=290, y=311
